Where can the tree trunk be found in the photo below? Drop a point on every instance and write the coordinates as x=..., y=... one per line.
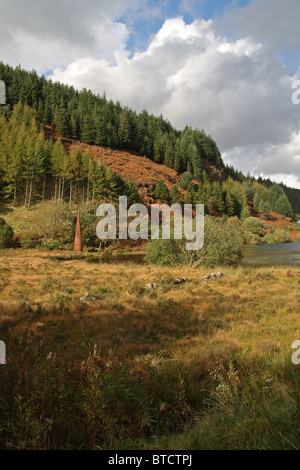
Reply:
x=44, y=187
x=15, y=194
x=30, y=191
x=70, y=195
x=26, y=194
x=63, y=188
x=55, y=191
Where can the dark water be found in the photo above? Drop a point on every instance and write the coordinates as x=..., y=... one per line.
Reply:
x=281, y=253
x=263, y=255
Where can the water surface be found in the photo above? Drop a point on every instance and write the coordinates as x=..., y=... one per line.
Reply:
x=281, y=253
x=262, y=255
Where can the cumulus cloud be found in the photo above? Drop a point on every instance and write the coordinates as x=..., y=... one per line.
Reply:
x=234, y=89
x=273, y=22
x=44, y=34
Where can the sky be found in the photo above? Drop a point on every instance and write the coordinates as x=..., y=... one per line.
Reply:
x=225, y=66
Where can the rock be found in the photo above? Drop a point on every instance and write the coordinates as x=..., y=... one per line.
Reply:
x=87, y=298
x=212, y=277
x=180, y=280
x=151, y=286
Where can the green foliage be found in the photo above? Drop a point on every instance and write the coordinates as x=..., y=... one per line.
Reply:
x=283, y=206
x=234, y=221
x=281, y=236
x=89, y=223
x=164, y=252
x=53, y=221
x=298, y=238
x=36, y=169
x=186, y=181
x=175, y=195
x=254, y=225
x=6, y=234
x=50, y=245
x=245, y=213
x=28, y=242
x=251, y=238
x=222, y=246
x=95, y=120
x=264, y=208
x=239, y=205
x=249, y=190
x=162, y=193
x=268, y=239
x=256, y=201
x=32, y=168
x=269, y=227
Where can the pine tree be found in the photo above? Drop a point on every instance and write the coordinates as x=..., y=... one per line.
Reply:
x=188, y=198
x=124, y=131
x=88, y=131
x=175, y=195
x=256, y=201
x=229, y=204
x=264, y=208
x=283, y=206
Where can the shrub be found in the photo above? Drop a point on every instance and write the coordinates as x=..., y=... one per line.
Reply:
x=222, y=246
x=254, y=225
x=54, y=221
x=28, y=242
x=165, y=252
x=234, y=221
x=6, y=234
x=281, y=236
x=269, y=227
x=298, y=238
x=289, y=228
x=89, y=222
x=268, y=239
x=245, y=213
x=50, y=246
x=252, y=239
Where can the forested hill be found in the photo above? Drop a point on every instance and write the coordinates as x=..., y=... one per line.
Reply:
x=32, y=167
x=92, y=119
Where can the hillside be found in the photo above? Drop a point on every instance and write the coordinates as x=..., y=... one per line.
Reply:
x=143, y=172
x=57, y=143
x=146, y=174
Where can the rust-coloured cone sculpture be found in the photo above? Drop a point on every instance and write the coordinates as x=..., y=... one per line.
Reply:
x=78, y=237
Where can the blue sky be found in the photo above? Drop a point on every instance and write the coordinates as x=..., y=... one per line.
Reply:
x=142, y=29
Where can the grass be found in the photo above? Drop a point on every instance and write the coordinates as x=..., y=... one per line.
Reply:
x=190, y=366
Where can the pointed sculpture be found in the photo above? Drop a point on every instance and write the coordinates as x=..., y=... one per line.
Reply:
x=78, y=237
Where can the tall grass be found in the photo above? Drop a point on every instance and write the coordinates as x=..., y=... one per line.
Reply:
x=191, y=366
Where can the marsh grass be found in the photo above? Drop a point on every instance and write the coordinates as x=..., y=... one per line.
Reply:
x=194, y=366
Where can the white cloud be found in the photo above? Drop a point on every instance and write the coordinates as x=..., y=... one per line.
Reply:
x=235, y=90
x=273, y=22
x=44, y=34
